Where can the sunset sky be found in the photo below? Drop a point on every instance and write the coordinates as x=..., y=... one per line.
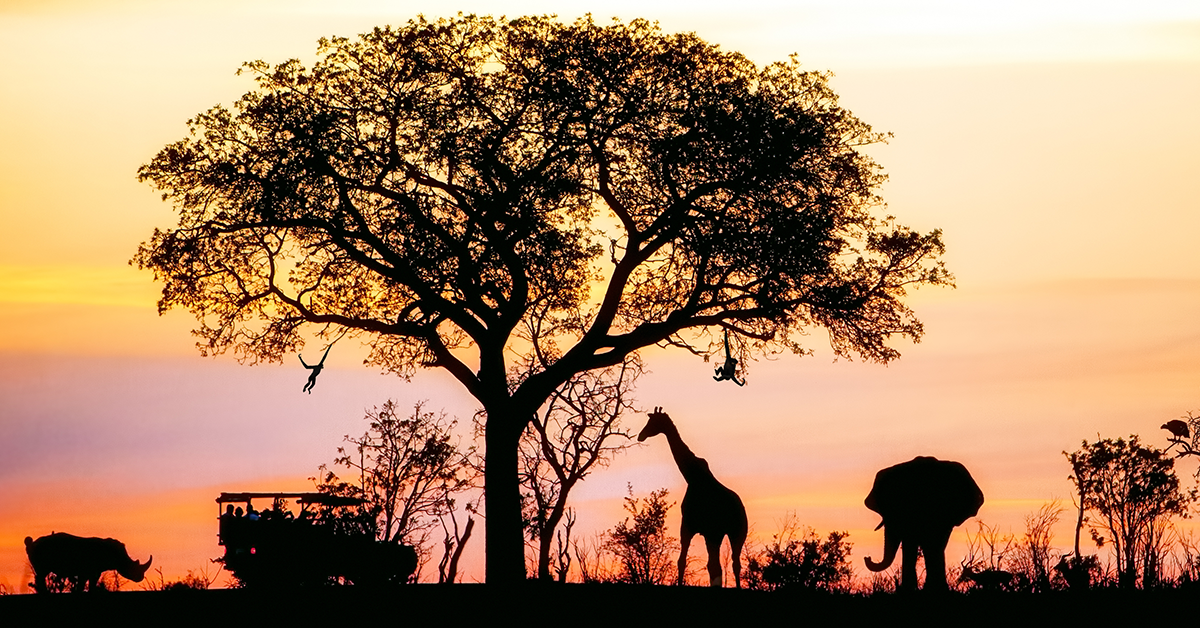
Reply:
x=1053, y=142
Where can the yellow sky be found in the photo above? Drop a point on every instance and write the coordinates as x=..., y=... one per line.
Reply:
x=1053, y=142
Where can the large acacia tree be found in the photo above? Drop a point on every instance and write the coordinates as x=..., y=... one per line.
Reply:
x=517, y=202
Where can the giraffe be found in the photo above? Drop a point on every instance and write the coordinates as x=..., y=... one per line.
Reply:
x=708, y=509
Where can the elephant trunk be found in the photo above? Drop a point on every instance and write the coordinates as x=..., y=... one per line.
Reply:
x=891, y=543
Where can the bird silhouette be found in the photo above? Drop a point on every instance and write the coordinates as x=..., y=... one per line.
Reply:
x=1177, y=428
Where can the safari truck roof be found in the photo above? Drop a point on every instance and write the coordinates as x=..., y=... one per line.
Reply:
x=320, y=499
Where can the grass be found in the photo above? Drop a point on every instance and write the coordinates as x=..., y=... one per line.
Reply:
x=597, y=605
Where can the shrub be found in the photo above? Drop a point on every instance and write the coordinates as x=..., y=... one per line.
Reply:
x=803, y=562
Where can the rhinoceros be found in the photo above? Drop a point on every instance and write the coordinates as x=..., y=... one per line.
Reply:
x=80, y=560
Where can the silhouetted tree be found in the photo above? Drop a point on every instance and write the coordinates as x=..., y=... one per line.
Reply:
x=577, y=431
x=409, y=470
x=521, y=201
x=1134, y=491
x=803, y=561
x=644, y=549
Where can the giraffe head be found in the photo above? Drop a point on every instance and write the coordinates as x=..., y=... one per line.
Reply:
x=659, y=422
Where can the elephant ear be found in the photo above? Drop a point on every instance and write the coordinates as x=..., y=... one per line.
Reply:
x=969, y=497
x=892, y=491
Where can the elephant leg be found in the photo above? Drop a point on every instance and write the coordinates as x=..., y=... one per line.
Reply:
x=908, y=564
x=933, y=546
x=685, y=540
x=713, y=542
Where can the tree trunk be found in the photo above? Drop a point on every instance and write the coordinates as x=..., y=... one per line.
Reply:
x=503, y=535
x=545, y=539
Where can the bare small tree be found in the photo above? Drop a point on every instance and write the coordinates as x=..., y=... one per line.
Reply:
x=988, y=548
x=1032, y=556
x=409, y=468
x=577, y=432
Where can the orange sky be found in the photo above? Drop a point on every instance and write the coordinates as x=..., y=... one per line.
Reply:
x=1053, y=142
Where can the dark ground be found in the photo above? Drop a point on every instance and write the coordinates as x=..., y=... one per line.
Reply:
x=562, y=606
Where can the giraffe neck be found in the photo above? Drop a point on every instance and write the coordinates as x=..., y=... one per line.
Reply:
x=684, y=458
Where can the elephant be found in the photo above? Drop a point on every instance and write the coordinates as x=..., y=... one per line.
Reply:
x=921, y=501
x=80, y=560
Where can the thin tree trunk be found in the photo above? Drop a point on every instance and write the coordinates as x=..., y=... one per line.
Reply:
x=546, y=535
x=452, y=567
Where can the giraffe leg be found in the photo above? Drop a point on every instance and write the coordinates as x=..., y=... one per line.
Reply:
x=735, y=549
x=685, y=540
x=713, y=542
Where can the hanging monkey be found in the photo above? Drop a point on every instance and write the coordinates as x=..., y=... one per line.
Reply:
x=728, y=370
x=316, y=368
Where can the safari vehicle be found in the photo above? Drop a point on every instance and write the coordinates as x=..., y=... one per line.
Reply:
x=328, y=541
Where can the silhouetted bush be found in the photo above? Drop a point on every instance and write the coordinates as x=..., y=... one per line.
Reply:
x=1079, y=572
x=804, y=562
x=643, y=549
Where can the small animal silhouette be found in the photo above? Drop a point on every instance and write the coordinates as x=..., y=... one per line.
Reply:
x=708, y=509
x=80, y=560
x=987, y=579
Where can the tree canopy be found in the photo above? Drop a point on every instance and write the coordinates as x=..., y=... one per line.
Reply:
x=520, y=201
